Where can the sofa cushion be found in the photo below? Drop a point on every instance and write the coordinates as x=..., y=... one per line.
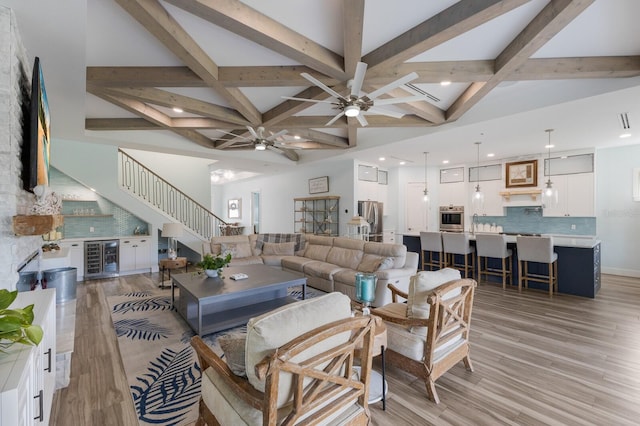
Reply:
x=295, y=263
x=321, y=269
x=280, y=249
x=317, y=252
x=215, y=243
x=421, y=286
x=237, y=250
x=273, y=329
x=251, y=260
x=397, y=251
x=347, y=258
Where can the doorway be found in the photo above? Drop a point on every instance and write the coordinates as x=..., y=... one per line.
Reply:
x=416, y=209
x=255, y=212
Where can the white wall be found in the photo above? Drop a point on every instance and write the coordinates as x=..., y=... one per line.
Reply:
x=278, y=192
x=618, y=216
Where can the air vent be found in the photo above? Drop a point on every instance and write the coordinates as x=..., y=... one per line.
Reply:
x=421, y=92
x=624, y=121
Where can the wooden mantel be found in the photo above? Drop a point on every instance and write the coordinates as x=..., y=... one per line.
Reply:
x=36, y=224
x=533, y=193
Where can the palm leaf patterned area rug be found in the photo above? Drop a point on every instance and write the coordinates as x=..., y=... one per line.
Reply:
x=161, y=367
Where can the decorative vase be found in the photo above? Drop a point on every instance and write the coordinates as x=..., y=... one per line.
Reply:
x=211, y=273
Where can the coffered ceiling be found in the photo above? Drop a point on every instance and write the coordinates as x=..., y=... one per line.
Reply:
x=228, y=64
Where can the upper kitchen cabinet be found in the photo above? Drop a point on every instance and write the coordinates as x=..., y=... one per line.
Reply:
x=576, y=196
x=491, y=184
x=452, y=190
x=371, y=184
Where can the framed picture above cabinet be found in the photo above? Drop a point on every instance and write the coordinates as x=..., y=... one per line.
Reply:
x=521, y=174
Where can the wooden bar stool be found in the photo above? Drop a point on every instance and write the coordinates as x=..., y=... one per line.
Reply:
x=537, y=250
x=494, y=246
x=457, y=243
x=431, y=242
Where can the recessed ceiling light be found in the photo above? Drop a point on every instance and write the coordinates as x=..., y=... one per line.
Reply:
x=625, y=135
x=445, y=83
x=296, y=137
x=381, y=158
x=228, y=174
x=549, y=146
x=445, y=161
x=176, y=109
x=491, y=154
x=215, y=178
x=402, y=163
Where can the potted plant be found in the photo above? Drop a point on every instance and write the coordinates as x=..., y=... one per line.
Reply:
x=212, y=265
x=16, y=324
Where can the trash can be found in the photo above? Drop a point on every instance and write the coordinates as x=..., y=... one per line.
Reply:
x=64, y=281
x=27, y=281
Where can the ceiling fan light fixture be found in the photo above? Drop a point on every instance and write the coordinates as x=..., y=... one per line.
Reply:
x=352, y=110
x=260, y=146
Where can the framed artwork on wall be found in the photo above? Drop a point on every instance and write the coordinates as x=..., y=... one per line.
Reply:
x=234, y=208
x=318, y=185
x=521, y=174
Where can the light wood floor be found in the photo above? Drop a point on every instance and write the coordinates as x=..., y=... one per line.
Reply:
x=565, y=360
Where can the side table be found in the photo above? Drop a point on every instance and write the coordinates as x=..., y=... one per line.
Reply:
x=169, y=264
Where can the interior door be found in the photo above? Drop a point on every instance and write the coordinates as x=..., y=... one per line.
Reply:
x=415, y=208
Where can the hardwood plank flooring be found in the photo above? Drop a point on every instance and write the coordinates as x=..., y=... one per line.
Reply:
x=555, y=361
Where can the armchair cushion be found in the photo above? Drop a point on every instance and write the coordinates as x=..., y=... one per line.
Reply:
x=233, y=346
x=420, y=287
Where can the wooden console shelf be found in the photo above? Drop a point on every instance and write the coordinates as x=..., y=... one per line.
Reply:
x=533, y=194
x=36, y=224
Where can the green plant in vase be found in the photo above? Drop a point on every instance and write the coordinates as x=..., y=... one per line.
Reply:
x=212, y=265
x=16, y=324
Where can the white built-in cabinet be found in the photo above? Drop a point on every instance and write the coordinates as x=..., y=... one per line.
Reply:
x=452, y=194
x=28, y=372
x=135, y=254
x=493, y=204
x=576, y=196
x=76, y=256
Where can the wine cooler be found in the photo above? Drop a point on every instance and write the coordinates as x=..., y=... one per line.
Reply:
x=101, y=259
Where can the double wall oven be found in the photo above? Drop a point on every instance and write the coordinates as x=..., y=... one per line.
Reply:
x=452, y=218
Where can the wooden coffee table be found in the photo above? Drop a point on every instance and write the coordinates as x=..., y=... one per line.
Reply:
x=213, y=304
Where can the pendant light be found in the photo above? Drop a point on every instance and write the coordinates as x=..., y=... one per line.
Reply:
x=425, y=198
x=478, y=197
x=550, y=194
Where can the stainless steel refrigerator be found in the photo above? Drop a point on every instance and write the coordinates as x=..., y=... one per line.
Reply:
x=371, y=211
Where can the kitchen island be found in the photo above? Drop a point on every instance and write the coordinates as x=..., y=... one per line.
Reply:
x=578, y=261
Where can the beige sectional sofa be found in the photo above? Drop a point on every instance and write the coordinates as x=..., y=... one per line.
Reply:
x=329, y=263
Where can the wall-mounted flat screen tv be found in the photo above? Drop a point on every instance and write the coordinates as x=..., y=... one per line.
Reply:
x=37, y=134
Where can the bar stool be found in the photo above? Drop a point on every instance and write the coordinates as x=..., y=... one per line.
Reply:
x=494, y=246
x=537, y=250
x=431, y=242
x=457, y=243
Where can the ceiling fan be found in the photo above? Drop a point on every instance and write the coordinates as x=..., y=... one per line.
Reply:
x=261, y=141
x=358, y=102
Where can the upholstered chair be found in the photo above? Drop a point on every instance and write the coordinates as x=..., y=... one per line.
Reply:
x=494, y=246
x=298, y=367
x=430, y=245
x=429, y=334
x=457, y=244
x=537, y=250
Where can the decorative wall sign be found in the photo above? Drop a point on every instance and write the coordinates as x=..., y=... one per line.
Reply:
x=234, y=208
x=521, y=174
x=318, y=185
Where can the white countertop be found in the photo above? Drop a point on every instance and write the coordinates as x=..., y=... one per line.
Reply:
x=577, y=241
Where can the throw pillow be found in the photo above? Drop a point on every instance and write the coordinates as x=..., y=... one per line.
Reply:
x=420, y=287
x=237, y=250
x=233, y=346
x=386, y=263
x=278, y=249
x=370, y=263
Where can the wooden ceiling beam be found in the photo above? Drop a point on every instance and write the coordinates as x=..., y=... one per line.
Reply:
x=319, y=122
x=155, y=19
x=446, y=25
x=352, y=25
x=556, y=15
x=248, y=23
x=321, y=137
x=573, y=68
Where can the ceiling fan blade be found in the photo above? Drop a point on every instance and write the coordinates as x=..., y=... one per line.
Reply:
x=403, y=100
x=388, y=113
x=232, y=134
x=333, y=120
x=399, y=82
x=319, y=101
x=253, y=132
x=275, y=136
x=290, y=154
x=322, y=85
x=363, y=121
x=358, y=79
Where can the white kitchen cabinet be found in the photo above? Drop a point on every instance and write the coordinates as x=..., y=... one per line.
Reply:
x=492, y=199
x=576, y=196
x=28, y=372
x=452, y=194
x=135, y=255
x=388, y=236
x=76, y=256
x=367, y=191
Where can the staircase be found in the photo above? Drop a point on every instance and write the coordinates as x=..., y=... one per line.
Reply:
x=145, y=185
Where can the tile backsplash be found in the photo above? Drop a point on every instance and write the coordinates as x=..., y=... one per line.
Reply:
x=85, y=210
x=530, y=220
